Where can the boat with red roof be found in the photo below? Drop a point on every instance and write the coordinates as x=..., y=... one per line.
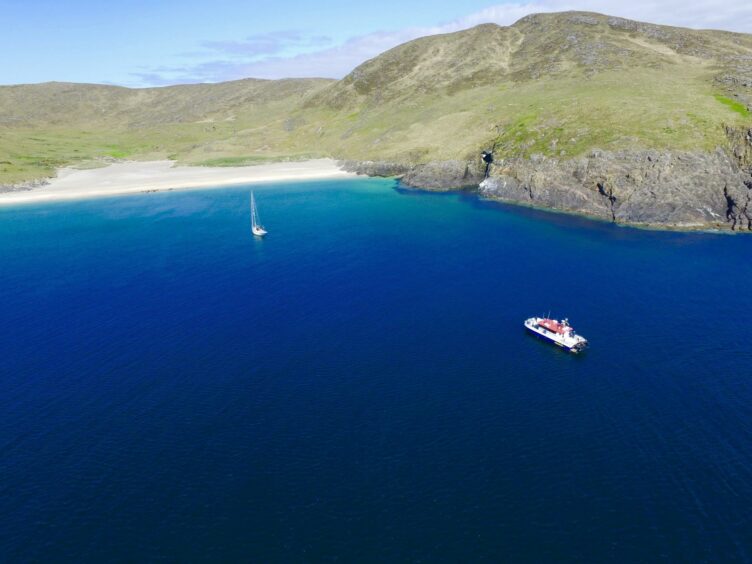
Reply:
x=558, y=332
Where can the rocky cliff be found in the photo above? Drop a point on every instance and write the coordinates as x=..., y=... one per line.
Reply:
x=686, y=190
x=679, y=189
x=668, y=189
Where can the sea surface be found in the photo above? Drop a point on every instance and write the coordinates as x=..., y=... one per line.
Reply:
x=358, y=386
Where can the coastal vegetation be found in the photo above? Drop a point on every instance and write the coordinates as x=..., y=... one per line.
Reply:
x=552, y=84
x=557, y=86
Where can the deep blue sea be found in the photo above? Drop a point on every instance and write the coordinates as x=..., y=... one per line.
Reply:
x=358, y=385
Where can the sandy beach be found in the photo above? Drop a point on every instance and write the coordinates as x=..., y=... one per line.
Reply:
x=134, y=176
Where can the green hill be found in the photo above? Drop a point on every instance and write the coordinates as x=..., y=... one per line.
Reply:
x=44, y=126
x=557, y=85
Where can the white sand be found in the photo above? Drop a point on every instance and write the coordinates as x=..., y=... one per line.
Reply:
x=133, y=176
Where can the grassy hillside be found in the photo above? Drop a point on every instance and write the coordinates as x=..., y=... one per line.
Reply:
x=557, y=84
x=553, y=83
x=47, y=125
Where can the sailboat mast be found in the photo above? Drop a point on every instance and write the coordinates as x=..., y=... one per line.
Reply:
x=256, y=226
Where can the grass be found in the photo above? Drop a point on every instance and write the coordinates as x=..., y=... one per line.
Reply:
x=433, y=99
x=734, y=105
x=235, y=161
x=559, y=117
x=250, y=160
x=116, y=153
x=563, y=117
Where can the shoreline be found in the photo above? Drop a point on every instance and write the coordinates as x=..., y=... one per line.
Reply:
x=134, y=177
x=143, y=177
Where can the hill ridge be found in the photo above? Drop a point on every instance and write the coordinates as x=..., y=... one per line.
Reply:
x=555, y=86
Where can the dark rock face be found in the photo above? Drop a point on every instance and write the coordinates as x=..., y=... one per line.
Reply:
x=444, y=175
x=437, y=175
x=656, y=188
x=375, y=168
x=740, y=140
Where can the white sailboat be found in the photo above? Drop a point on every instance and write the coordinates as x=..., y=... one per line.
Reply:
x=256, y=228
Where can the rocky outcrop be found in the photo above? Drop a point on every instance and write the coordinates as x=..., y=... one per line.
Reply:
x=23, y=186
x=740, y=145
x=653, y=188
x=436, y=175
x=444, y=175
x=671, y=189
x=375, y=168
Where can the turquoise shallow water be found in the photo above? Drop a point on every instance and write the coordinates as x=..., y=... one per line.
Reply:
x=358, y=385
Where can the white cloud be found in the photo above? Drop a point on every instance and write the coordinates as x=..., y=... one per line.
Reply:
x=266, y=43
x=339, y=60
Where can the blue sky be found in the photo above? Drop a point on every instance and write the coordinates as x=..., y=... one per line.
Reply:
x=140, y=43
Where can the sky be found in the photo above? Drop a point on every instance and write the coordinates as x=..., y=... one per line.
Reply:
x=141, y=43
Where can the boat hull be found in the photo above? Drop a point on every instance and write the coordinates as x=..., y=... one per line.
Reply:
x=573, y=349
x=572, y=343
